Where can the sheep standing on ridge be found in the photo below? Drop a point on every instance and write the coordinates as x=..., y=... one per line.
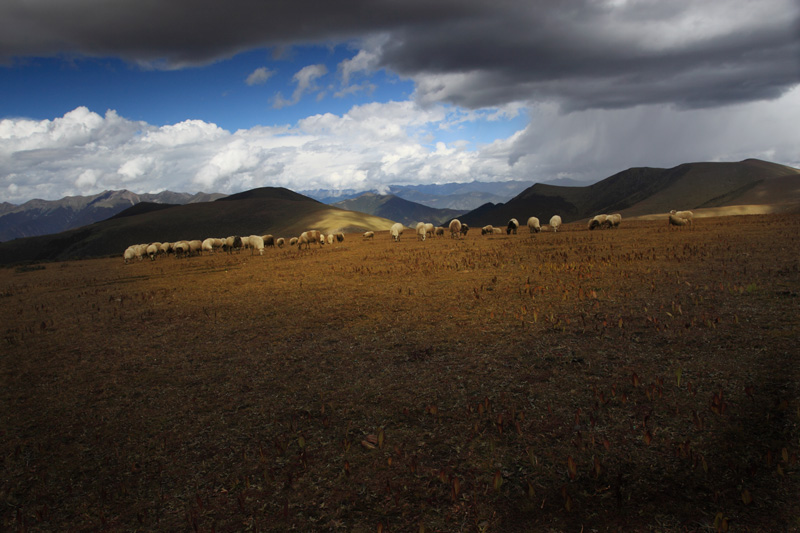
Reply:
x=555, y=222
x=533, y=225
x=512, y=227
x=395, y=231
x=455, y=228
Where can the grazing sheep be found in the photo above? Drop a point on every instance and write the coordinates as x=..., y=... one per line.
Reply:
x=245, y=243
x=439, y=231
x=321, y=238
x=256, y=244
x=279, y=242
x=166, y=248
x=307, y=237
x=129, y=255
x=464, y=229
x=182, y=248
x=421, y=231
x=369, y=234
x=395, y=231
x=555, y=222
x=533, y=225
x=497, y=231
x=331, y=238
x=512, y=227
x=339, y=237
x=429, y=229
x=293, y=241
x=613, y=221
x=686, y=215
x=233, y=243
x=597, y=221
x=269, y=240
x=675, y=220
x=152, y=250
x=455, y=228
x=208, y=245
x=487, y=230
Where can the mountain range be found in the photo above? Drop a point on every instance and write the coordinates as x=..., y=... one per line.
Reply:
x=397, y=209
x=42, y=217
x=645, y=191
x=750, y=186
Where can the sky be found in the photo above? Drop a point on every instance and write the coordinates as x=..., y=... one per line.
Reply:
x=202, y=95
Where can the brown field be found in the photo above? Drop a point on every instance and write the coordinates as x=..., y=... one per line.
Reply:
x=637, y=379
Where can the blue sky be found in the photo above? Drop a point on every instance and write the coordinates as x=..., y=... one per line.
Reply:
x=147, y=97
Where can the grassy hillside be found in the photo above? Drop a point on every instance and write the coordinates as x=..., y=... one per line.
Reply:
x=642, y=191
x=278, y=211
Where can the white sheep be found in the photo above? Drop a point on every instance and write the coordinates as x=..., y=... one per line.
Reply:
x=279, y=242
x=675, y=220
x=208, y=245
x=455, y=228
x=421, y=231
x=153, y=250
x=331, y=238
x=129, y=255
x=533, y=225
x=293, y=241
x=256, y=244
x=307, y=237
x=369, y=234
x=166, y=248
x=512, y=227
x=429, y=229
x=555, y=222
x=686, y=215
x=497, y=231
x=181, y=248
x=487, y=230
x=396, y=230
x=613, y=221
x=597, y=221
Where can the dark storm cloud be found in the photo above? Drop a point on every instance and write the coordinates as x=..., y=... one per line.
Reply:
x=580, y=54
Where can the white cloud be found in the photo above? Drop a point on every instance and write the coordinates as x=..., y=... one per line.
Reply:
x=259, y=76
x=374, y=145
x=305, y=79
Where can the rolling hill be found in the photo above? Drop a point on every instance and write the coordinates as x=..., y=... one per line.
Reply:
x=278, y=211
x=641, y=192
x=396, y=208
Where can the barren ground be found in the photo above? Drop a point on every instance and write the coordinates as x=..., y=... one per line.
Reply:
x=637, y=379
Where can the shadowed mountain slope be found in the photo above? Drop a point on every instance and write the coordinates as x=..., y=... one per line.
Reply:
x=643, y=191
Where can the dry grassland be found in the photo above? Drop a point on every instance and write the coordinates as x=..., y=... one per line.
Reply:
x=637, y=379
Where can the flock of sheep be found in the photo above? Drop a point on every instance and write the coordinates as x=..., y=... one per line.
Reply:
x=257, y=243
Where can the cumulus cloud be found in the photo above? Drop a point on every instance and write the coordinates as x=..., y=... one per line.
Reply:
x=375, y=145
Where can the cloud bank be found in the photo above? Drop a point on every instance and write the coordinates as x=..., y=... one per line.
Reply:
x=375, y=145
